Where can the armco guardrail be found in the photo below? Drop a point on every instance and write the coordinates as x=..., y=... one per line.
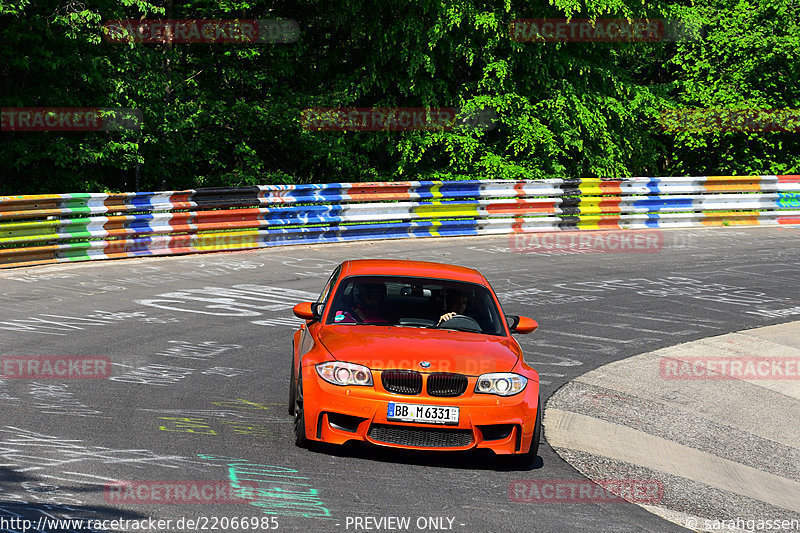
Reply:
x=78, y=227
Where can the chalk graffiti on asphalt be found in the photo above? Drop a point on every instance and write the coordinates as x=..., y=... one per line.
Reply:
x=4, y=395
x=38, y=492
x=55, y=398
x=186, y=425
x=48, y=324
x=243, y=300
x=241, y=410
x=202, y=426
x=226, y=371
x=673, y=287
x=196, y=350
x=201, y=413
x=40, y=276
x=536, y=296
x=666, y=287
x=278, y=489
x=23, y=450
x=37, y=461
x=241, y=403
x=159, y=375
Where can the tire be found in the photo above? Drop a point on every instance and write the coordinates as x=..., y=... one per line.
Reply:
x=537, y=432
x=300, y=439
x=292, y=390
x=527, y=460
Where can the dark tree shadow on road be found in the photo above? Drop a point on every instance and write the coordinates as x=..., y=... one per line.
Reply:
x=27, y=499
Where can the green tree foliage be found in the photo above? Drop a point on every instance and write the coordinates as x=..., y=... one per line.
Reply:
x=749, y=58
x=230, y=114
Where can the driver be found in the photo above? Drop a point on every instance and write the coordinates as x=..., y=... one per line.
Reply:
x=455, y=303
x=368, y=308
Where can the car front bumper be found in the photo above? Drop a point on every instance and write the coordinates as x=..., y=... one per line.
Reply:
x=338, y=414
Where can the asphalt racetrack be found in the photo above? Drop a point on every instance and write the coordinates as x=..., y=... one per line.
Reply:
x=200, y=350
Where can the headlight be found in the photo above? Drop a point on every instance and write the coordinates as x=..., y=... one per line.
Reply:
x=340, y=373
x=501, y=383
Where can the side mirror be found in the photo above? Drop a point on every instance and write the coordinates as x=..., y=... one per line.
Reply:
x=307, y=310
x=521, y=324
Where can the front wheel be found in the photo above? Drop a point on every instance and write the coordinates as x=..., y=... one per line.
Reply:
x=300, y=438
x=292, y=390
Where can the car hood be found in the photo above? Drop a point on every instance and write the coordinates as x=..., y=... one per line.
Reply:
x=385, y=347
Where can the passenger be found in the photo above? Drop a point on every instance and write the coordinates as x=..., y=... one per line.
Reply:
x=455, y=302
x=368, y=309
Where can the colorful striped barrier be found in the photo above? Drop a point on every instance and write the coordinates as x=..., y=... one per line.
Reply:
x=40, y=229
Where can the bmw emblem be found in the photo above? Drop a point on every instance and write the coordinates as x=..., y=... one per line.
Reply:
x=425, y=364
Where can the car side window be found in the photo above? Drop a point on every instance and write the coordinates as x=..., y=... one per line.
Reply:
x=326, y=292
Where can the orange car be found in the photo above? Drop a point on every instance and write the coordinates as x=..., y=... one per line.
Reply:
x=413, y=355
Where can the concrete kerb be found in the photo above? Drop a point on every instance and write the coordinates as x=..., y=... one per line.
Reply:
x=607, y=424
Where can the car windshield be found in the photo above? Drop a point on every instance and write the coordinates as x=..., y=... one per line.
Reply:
x=415, y=302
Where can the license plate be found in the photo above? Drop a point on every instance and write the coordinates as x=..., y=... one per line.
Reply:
x=428, y=414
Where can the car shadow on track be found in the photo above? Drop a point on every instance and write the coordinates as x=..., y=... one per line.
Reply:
x=469, y=460
x=26, y=500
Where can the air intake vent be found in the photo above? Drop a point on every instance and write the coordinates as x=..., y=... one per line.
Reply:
x=421, y=437
x=446, y=385
x=406, y=382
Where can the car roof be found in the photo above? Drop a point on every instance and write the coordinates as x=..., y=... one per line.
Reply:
x=399, y=267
